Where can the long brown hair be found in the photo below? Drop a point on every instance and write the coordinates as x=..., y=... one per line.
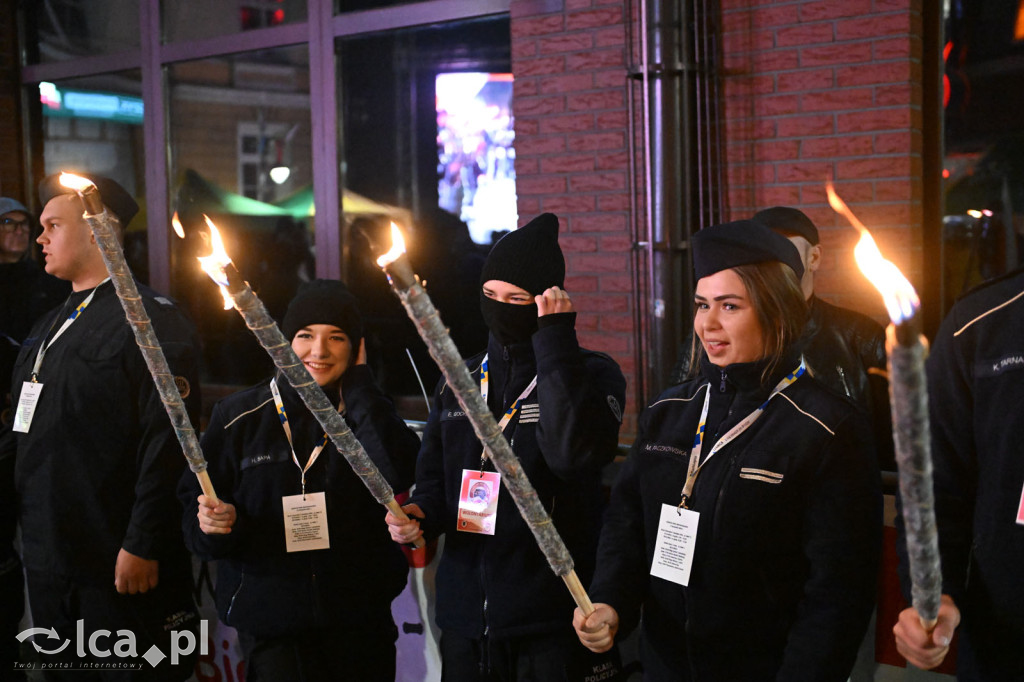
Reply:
x=778, y=301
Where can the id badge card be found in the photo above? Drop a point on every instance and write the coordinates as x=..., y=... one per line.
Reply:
x=26, y=408
x=478, y=501
x=673, y=550
x=305, y=522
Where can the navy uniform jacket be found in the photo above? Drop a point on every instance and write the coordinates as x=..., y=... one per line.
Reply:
x=976, y=399
x=566, y=431
x=99, y=467
x=788, y=539
x=262, y=589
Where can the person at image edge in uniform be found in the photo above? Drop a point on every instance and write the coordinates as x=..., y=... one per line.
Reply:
x=314, y=612
x=98, y=463
x=503, y=613
x=26, y=292
x=975, y=382
x=782, y=500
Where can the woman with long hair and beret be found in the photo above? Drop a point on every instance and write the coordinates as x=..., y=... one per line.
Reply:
x=745, y=526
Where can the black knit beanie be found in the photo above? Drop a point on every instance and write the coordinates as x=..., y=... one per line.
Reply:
x=324, y=301
x=529, y=257
x=742, y=242
x=114, y=196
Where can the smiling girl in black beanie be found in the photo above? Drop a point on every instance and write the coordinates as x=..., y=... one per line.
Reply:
x=306, y=608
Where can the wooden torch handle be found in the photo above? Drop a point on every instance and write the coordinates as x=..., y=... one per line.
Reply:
x=207, y=485
x=579, y=594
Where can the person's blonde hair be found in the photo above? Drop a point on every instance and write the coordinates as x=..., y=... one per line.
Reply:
x=778, y=301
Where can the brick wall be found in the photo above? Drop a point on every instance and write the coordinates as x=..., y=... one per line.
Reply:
x=819, y=87
x=569, y=62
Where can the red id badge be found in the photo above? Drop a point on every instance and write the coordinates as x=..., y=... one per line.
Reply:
x=1020, y=509
x=478, y=501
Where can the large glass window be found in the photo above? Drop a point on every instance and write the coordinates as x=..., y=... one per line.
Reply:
x=983, y=227
x=241, y=154
x=443, y=168
x=94, y=125
x=194, y=19
x=424, y=138
x=68, y=29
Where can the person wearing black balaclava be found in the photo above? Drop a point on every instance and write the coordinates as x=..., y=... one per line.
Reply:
x=746, y=523
x=503, y=614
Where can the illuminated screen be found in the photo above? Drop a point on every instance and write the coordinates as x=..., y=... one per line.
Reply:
x=107, y=106
x=475, y=152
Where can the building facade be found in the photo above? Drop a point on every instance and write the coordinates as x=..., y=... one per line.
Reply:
x=777, y=98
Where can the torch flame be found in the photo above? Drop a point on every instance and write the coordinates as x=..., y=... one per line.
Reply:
x=176, y=224
x=901, y=300
x=214, y=264
x=75, y=182
x=397, y=247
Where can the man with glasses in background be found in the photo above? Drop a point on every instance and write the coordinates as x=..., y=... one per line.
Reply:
x=26, y=291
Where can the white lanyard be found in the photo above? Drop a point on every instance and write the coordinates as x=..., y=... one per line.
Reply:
x=45, y=345
x=511, y=411
x=695, y=464
x=288, y=434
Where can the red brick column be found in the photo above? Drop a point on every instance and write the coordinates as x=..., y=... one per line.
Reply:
x=569, y=63
x=818, y=87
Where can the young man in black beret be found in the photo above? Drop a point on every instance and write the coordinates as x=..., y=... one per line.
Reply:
x=842, y=346
x=97, y=458
x=504, y=615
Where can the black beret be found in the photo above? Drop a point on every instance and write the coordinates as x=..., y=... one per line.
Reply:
x=114, y=196
x=529, y=257
x=788, y=221
x=324, y=301
x=742, y=242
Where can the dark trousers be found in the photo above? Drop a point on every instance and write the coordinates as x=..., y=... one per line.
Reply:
x=58, y=602
x=323, y=655
x=540, y=658
x=12, y=601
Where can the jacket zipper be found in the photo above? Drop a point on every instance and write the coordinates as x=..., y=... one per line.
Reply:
x=485, y=663
x=721, y=495
x=842, y=378
x=316, y=599
x=231, y=604
x=721, y=386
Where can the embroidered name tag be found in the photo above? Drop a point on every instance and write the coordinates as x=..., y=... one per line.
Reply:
x=262, y=458
x=657, y=447
x=993, y=368
x=450, y=414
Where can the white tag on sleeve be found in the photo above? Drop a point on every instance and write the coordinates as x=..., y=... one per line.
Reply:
x=26, y=406
x=673, y=550
x=305, y=522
